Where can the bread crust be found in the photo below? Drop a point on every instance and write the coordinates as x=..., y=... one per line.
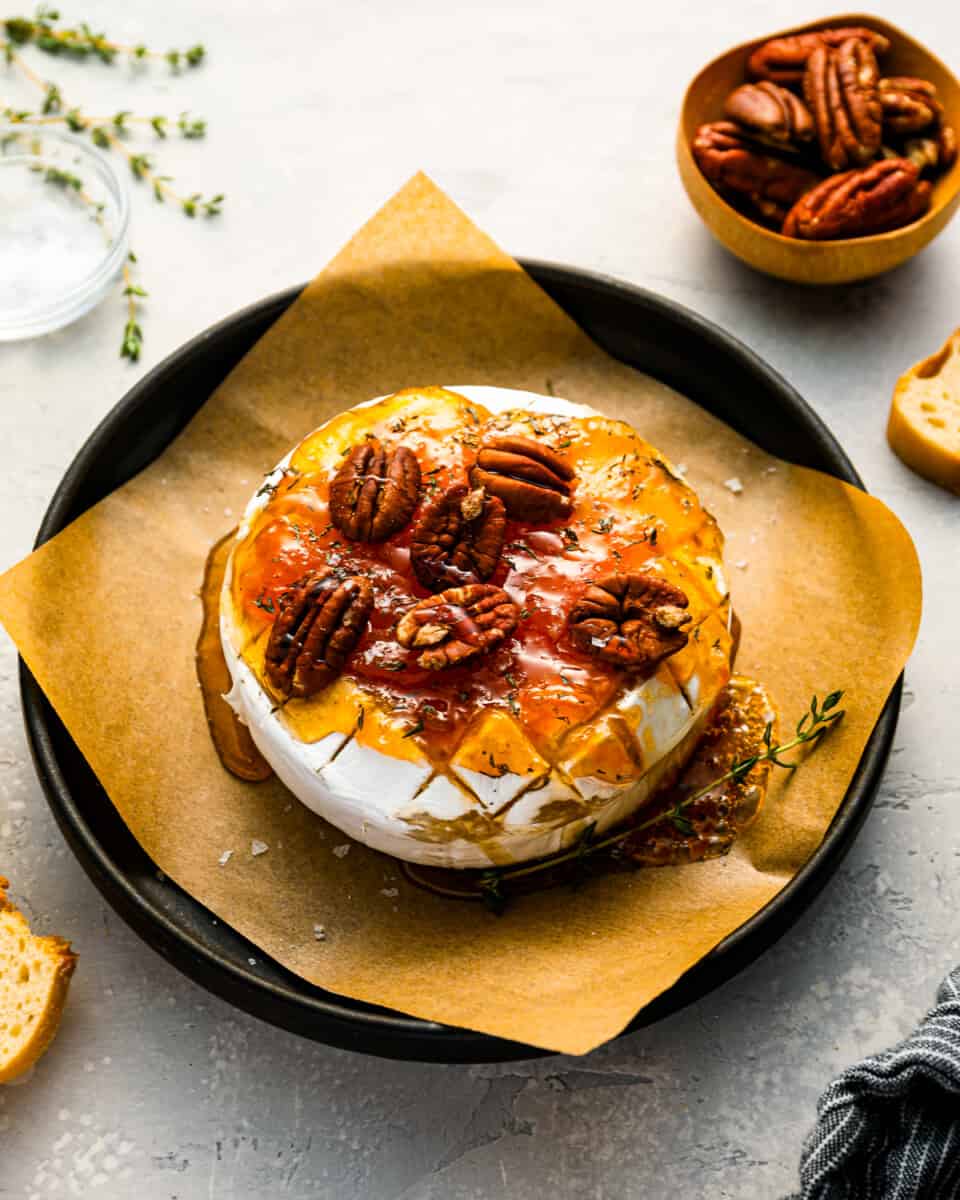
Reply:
x=63, y=961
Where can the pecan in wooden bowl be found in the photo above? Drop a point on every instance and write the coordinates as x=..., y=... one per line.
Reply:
x=782, y=145
x=465, y=627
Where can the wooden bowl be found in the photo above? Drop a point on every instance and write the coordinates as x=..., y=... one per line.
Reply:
x=806, y=261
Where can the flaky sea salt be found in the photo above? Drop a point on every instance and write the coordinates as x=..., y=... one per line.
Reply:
x=257, y=847
x=734, y=485
x=342, y=851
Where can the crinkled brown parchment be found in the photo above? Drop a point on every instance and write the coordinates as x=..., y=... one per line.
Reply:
x=106, y=616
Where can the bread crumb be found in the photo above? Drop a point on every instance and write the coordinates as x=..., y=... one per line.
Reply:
x=319, y=933
x=733, y=484
x=342, y=851
x=225, y=857
x=257, y=847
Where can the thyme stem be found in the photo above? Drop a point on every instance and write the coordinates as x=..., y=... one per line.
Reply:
x=132, y=333
x=81, y=41
x=78, y=121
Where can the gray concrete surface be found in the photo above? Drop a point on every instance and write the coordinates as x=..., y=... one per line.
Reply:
x=553, y=126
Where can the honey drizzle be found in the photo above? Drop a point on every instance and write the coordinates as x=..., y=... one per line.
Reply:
x=231, y=738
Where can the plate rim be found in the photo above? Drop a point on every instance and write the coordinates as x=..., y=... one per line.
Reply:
x=446, y=1043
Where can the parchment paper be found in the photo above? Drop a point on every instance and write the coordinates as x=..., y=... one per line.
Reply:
x=106, y=616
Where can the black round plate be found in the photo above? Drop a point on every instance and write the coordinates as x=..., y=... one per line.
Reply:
x=636, y=326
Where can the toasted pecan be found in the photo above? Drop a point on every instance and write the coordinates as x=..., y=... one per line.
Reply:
x=630, y=620
x=533, y=481
x=458, y=538
x=374, y=493
x=771, y=112
x=744, y=173
x=458, y=624
x=840, y=87
x=783, y=59
x=885, y=195
x=319, y=621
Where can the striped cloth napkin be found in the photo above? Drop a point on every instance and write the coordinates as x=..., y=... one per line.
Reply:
x=889, y=1127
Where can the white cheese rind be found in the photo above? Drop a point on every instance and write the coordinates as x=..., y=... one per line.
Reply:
x=387, y=803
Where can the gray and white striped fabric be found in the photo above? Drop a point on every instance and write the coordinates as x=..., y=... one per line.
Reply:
x=889, y=1127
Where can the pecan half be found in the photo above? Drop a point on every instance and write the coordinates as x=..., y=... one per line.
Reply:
x=532, y=480
x=319, y=621
x=633, y=621
x=883, y=196
x=840, y=86
x=374, y=493
x=936, y=151
x=741, y=172
x=458, y=538
x=947, y=146
x=909, y=105
x=783, y=59
x=458, y=624
x=769, y=111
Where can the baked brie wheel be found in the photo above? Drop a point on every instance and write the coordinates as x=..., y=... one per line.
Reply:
x=463, y=625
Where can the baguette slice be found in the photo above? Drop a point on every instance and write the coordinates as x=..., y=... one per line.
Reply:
x=34, y=977
x=924, y=425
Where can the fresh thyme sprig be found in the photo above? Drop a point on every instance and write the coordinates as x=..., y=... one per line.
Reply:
x=107, y=137
x=811, y=727
x=132, y=333
x=125, y=121
x=44, y=31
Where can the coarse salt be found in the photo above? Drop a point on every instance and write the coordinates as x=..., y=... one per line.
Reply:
x=733, y=484
x=342, y=851
x=390, y=892
x=319, y=933
x=225, y=857
x=258, y=847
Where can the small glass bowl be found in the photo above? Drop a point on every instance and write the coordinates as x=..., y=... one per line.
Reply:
x=64, y=219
